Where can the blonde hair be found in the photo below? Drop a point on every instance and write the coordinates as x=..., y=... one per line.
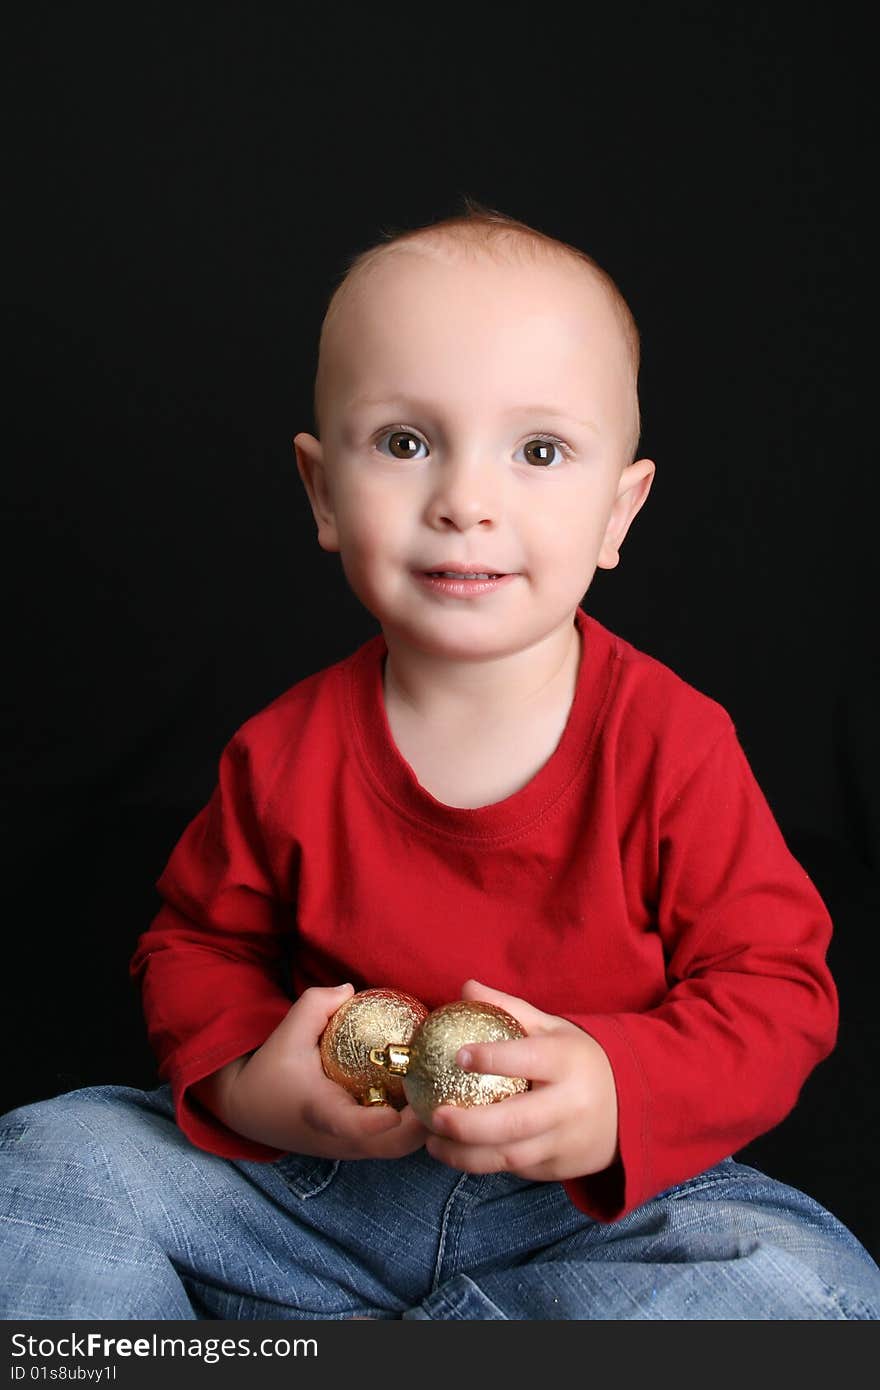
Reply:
x=478, y=231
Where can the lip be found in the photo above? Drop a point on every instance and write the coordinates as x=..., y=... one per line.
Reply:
x=456, y=567
x=463, y=588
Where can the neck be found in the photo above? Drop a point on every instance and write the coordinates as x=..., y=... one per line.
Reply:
x=483, y=692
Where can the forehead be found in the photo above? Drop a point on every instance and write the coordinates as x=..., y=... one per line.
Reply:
x=473, y=330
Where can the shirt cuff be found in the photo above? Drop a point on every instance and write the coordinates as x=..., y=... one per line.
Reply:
x=626, y=1184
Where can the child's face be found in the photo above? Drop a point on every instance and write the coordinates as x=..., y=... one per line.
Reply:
x=443, y=389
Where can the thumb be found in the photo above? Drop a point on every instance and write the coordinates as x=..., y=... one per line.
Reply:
x=532, y=1019
x=316, y=1006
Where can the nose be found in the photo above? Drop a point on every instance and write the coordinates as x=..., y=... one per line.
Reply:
x=466, y=492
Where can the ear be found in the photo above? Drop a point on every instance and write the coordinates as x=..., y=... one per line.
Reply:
x=632, y=491
x=310, y=462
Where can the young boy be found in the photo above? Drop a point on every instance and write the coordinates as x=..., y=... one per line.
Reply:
x=496, y=787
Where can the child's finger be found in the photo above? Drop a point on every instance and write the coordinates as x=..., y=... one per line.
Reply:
x=536, y=1058
x=409, y=1135
x=489, y=1158
x=532, y=1019
x=314, y=1008
x=352, y=1131
x=508, y=1121
x=335, y=1113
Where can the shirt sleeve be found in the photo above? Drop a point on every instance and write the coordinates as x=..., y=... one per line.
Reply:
x=751, y=1007
x=211, y=965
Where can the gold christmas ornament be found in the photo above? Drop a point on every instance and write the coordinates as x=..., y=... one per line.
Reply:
x=375, y=1018
x=431, y=1075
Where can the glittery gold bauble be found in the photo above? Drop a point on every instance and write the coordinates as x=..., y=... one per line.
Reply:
x=372, y=1019
x=431, y=1075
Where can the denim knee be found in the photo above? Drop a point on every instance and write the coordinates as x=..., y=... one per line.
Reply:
x=43, y=1129
x=73, y=1243
x=76, y=1124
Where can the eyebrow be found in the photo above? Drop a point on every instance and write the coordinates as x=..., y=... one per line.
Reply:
x=420, y=407
x=551, y=411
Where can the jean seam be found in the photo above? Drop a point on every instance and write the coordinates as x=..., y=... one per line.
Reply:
x=444, y=1225
x=473, y=1193
x=299, y=1185
x=331, y=1174
x=454, y=1302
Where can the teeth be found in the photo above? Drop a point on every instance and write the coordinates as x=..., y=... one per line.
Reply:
x=454, y=574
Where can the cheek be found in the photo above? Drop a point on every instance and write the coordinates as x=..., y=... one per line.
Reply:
x=571, y=526
x=370, y=524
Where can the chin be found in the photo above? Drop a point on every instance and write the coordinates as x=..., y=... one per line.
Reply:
x=449, y=642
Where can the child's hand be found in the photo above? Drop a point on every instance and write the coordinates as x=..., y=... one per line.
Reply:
x=564, y=1127
x=282, y=1096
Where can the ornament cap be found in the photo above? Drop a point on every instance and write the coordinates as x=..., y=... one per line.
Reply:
x=394, y=1057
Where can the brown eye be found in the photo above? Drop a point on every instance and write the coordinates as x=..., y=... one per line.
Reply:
x=402, y=444
x=543, y=453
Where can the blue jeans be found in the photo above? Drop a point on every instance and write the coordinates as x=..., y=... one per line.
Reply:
x=108, y=1212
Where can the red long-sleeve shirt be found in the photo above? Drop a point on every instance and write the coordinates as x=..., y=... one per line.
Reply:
x=638, y=885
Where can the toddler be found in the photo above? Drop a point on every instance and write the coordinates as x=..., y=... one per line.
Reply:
x=495, y=798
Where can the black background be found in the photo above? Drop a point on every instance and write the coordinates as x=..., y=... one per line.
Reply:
x=183, y=186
